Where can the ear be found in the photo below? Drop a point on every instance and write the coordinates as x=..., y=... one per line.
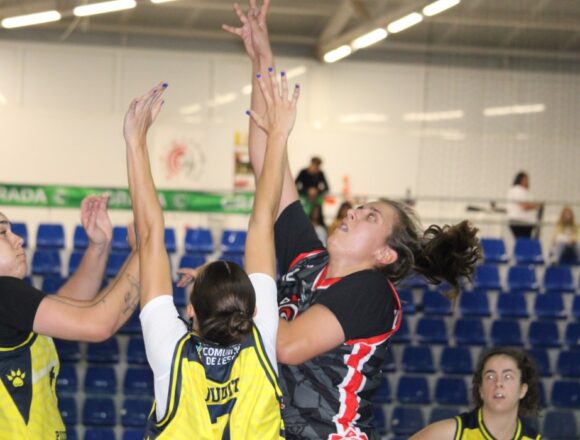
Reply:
x=190, y=311
x=523, y=390
x=386, y=256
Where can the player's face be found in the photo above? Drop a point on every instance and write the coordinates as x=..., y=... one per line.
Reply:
x=362, y=235
x=501, y=388
x=12, y=255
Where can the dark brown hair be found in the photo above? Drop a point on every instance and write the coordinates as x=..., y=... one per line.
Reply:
x=447, y=253
x=224, y=301
x=530, y=403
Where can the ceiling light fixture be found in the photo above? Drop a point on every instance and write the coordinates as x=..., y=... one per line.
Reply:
x=369, y=38
x=404, y=22
x=439, y=6
x=31, y=19
x=337, y=54
x=104, y=7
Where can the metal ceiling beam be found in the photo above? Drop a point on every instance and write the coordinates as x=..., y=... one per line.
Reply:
x=337, y=22
x=546, y=25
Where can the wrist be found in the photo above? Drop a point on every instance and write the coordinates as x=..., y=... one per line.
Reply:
x=99, y=248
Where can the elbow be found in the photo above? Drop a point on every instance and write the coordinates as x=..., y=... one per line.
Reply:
x=99, y=331
x=289, y=355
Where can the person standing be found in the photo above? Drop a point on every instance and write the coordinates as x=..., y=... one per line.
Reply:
x=311, y=182
x=522, y=212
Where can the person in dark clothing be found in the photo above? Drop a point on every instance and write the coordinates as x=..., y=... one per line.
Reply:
x=311, y=182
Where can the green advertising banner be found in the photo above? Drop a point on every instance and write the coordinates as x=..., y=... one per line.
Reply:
x=56, y=196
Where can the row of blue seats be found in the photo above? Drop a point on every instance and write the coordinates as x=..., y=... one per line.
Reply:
x=525, y=251
x=519, y=278
x=103, y=380
x=102, y=411
x=95, y=433
x=477, y=304
x=197, y=240
x=405, y=421
x=47, y=262
x=471, y=332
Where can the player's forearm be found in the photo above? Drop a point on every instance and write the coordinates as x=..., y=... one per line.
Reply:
x=86, y=282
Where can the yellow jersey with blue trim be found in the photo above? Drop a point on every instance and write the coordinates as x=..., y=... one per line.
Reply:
x=220, y=392
x=470, y=426
x=28, y=402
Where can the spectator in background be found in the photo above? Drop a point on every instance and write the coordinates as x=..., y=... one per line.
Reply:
x=522, y=213
x=311, y=182
x=565, y=248
x=340, y=215
x=317, y=220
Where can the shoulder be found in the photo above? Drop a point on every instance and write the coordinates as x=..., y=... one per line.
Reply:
x=370, y=282
x=442, y=430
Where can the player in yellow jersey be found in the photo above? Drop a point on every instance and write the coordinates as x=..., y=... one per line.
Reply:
x=217, y=379
x=29, y=318
x=505, y=388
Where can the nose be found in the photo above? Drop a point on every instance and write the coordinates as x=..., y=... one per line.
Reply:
x=17, y=240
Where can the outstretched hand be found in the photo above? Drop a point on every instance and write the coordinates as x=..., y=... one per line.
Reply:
x=188, y=276
x=280, y=109
x=141, y=114
x=253, y=30
x=95, y=219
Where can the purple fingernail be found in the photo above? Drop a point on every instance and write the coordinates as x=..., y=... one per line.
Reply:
x=282, y=73
x=297, y=86
x=248, y=112
x=270, y=69
x=259, y=75
x=165, y=85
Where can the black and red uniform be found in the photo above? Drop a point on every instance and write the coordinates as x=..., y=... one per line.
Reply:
x=328, y=397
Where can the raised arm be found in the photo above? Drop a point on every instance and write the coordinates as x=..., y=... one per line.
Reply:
x=86, y=282
x=254, y=34
x=277, y=121
x=155, y=272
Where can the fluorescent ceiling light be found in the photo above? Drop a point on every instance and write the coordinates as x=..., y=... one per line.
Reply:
x=30, y=19
x=439, y=6
x=296, y=71
x=369, y=38
x=337, y=54
x=187, y=110
x=514, y=110
x=404, y=23
x=362, y=117
x=3, y=99
x=247, y=89
x=104, y=7
x=161, y=1
x=222, y=99
x=434, y=116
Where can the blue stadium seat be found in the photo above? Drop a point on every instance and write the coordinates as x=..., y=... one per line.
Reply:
x=475, y=304
x=119, y=242
x=99, y=411
x=198, y=241
x=50, y=235
x=71, y=433
x=406, y=421
x=104, y=352
x=522, y=278
x=560, y=425
x=415, y=281
x=80, y=238
x=383, y=393
x=136, y=351
x=542, y=360
x=456, y=360
x=135, y=412
x=46, y=262
x=451, y=391
x=506, y=332
x=169, y=240
x=180, y=298
x=413, y=390
x=441, y=413
x=389, y=364
x=407, y=301
x=379, y=420
x=566, y=394
x=568, y=364
x=234, y=258
x=431, y=331
x=28, y=280
x=549, y=306
x=67, y=381
x=51, y=284
x=132, y=326
x=435, y=303
x=233, y=241
x=469, y=331
x=542, y=393
x=21, y=230
x=115, y=262
x=191, y=261
x=494, y=250
x=403, y=335
x=99, y=434
x=133, y=434
x=138, y=381
x=487, y=277
x=572, y=335
x=576, y=307
x=528, y=251
x=67, y=407
x=68, y=351
x=100, y=380
x=512, y=305
x=559, y=279
x=418, y=360
x=543, y=334
x=74, y=260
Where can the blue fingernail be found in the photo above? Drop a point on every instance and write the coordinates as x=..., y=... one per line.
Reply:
x=282, y=73
x=270, y=69
x=165, y=85
x=297, y=86
x=248, y=112
x=259, y=75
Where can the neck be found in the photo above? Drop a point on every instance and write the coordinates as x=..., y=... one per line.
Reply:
x=341, y=267
x=502, y=426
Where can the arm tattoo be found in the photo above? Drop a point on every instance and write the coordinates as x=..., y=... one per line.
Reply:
x=131, y=298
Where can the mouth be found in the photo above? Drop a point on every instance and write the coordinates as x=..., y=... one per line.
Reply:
x=343, y=227
x=499, y=396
